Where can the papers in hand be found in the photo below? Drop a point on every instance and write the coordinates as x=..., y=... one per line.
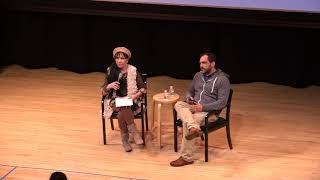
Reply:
x=123, y=101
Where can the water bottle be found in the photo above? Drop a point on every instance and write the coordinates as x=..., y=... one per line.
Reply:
x=165, y=94
x=171, y=91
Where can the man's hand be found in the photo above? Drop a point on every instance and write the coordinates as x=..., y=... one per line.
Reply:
x=190, y=101
x=115, y=85
x=196, y=108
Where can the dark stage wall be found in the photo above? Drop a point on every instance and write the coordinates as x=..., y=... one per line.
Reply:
x=84, y=42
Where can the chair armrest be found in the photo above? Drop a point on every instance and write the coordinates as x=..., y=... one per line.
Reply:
x=103, y=98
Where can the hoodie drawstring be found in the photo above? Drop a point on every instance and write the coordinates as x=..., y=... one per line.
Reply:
x=214, y=82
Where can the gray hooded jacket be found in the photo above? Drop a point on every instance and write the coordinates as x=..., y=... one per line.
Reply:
x=212, y=94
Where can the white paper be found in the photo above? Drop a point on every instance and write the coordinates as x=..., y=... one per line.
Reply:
x=123, y=101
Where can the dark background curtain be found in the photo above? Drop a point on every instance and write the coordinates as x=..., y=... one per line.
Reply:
x=84, y=43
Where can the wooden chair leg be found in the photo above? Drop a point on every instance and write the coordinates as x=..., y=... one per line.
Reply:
x=104, y=131
x=103, y=122
x=142, y=129
x=111, y=122
x=206, y=140
x=229, y=136
x=206, y=146
x=175, y=138
x=147, y=126
x=175, y=133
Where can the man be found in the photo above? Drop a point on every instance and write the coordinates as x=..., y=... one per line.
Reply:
x=209, y=91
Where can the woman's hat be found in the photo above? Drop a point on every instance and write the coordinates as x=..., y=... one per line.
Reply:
x=123, y=50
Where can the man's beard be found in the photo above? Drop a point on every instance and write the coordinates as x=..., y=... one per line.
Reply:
x=205, y=71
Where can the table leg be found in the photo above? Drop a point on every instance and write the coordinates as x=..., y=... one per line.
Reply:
x=159, y=125
x=153, y=111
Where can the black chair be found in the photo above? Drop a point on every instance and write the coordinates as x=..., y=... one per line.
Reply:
x=207, y=127
x=143, y=115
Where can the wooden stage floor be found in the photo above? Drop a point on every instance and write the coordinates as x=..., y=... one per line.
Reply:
x=50, y=120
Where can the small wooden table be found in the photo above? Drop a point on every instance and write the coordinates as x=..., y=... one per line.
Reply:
x=159, y=98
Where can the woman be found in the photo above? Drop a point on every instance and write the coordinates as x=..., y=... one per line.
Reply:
x=123, y=80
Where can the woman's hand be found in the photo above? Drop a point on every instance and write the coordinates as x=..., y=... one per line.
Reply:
x=114, y=85
x=103, y=92
x=135, y=96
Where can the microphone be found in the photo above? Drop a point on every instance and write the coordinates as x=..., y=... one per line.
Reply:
x=120, y=81
x=120, y=77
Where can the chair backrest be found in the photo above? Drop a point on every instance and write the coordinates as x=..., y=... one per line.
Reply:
x=229, y=105
x=144, y=78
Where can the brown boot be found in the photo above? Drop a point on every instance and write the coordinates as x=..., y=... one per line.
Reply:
x=125, y=143
x=180, y=162
x=136, y=136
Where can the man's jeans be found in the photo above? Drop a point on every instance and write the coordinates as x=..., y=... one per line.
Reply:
x=189, y=120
